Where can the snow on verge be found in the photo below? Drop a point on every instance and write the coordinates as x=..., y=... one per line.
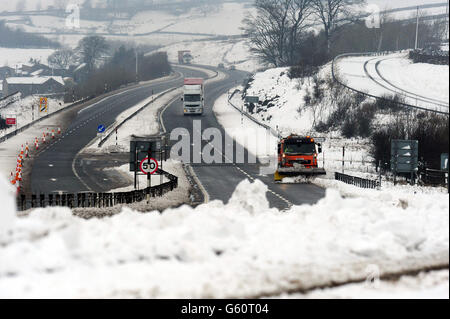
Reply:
x=241, y=249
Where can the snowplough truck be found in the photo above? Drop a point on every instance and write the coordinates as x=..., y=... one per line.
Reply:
x=298, y=156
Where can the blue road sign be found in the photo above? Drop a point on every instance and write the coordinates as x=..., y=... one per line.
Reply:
x=101, y=129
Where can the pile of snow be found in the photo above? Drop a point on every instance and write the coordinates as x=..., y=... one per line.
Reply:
x=282, y=100
x=241, y=249
x=427, y=285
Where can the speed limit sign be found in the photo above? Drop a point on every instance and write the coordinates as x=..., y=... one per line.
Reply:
x=149, y=167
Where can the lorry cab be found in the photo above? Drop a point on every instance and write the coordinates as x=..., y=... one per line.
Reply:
x=301, y=151
x=298, y=156
x=193, y=96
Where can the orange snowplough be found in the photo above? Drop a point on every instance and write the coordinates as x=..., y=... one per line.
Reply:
x=298, y=156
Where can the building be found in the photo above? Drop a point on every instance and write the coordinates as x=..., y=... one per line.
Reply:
x=6, y=72
x=45, y=85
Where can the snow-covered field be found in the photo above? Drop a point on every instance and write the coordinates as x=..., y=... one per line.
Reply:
x=223, y=20
x=228, y=52
x=242, y=249
x=420, y=84
x=14, y=56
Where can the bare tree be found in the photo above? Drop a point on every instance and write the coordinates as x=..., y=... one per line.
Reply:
x=61, y=59
x=92, y=49
x=274, y=32
x=331, y=13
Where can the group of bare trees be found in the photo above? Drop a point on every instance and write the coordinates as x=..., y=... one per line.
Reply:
x=277, y=29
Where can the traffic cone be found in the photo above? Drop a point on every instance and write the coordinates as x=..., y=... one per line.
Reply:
x=59, y=130
x=20, y=176
x=26, y=154
x=53, y=134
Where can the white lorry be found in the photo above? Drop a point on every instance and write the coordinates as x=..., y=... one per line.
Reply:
x=193, y=96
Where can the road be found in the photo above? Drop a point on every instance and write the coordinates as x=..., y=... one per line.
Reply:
x=53, y=171
x=220, y=179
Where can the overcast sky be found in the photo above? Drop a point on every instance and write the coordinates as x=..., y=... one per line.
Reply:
x=11, y=5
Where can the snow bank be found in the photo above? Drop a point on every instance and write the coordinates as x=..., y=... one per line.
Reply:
x=432, y=285
x=241, y=249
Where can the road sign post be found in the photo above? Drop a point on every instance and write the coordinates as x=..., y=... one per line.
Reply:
x=445, y=167
x=404, y=158
x=101, y=130
x=43, y=105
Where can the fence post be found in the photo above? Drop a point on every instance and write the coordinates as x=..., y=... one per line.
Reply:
x=33, y=201
x=23, y=202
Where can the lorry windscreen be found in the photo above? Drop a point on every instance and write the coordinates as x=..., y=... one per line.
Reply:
x=299, y=148
x=192, y=98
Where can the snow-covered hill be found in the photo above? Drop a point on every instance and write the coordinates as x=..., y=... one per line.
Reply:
x=155, y=27
x=214, y=52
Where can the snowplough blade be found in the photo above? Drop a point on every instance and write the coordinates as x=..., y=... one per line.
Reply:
x=294, y=172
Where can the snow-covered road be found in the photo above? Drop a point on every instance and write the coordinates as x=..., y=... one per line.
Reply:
x=419, y=84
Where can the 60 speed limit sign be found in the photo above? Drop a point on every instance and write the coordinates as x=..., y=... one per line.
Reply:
x=149, y=167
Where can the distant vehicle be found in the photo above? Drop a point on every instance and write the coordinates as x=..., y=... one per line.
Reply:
x=193, y=96
x=221, y=66
x=298, y=156
x=233, y=67
x=185, y=57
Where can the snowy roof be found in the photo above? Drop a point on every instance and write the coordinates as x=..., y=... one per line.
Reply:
x=82, y=65
x=34, y=80
x=36, y=73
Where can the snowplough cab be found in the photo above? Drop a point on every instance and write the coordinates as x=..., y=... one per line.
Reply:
x=298, y=156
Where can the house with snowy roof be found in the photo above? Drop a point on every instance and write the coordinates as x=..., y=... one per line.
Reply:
x=44, y=85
